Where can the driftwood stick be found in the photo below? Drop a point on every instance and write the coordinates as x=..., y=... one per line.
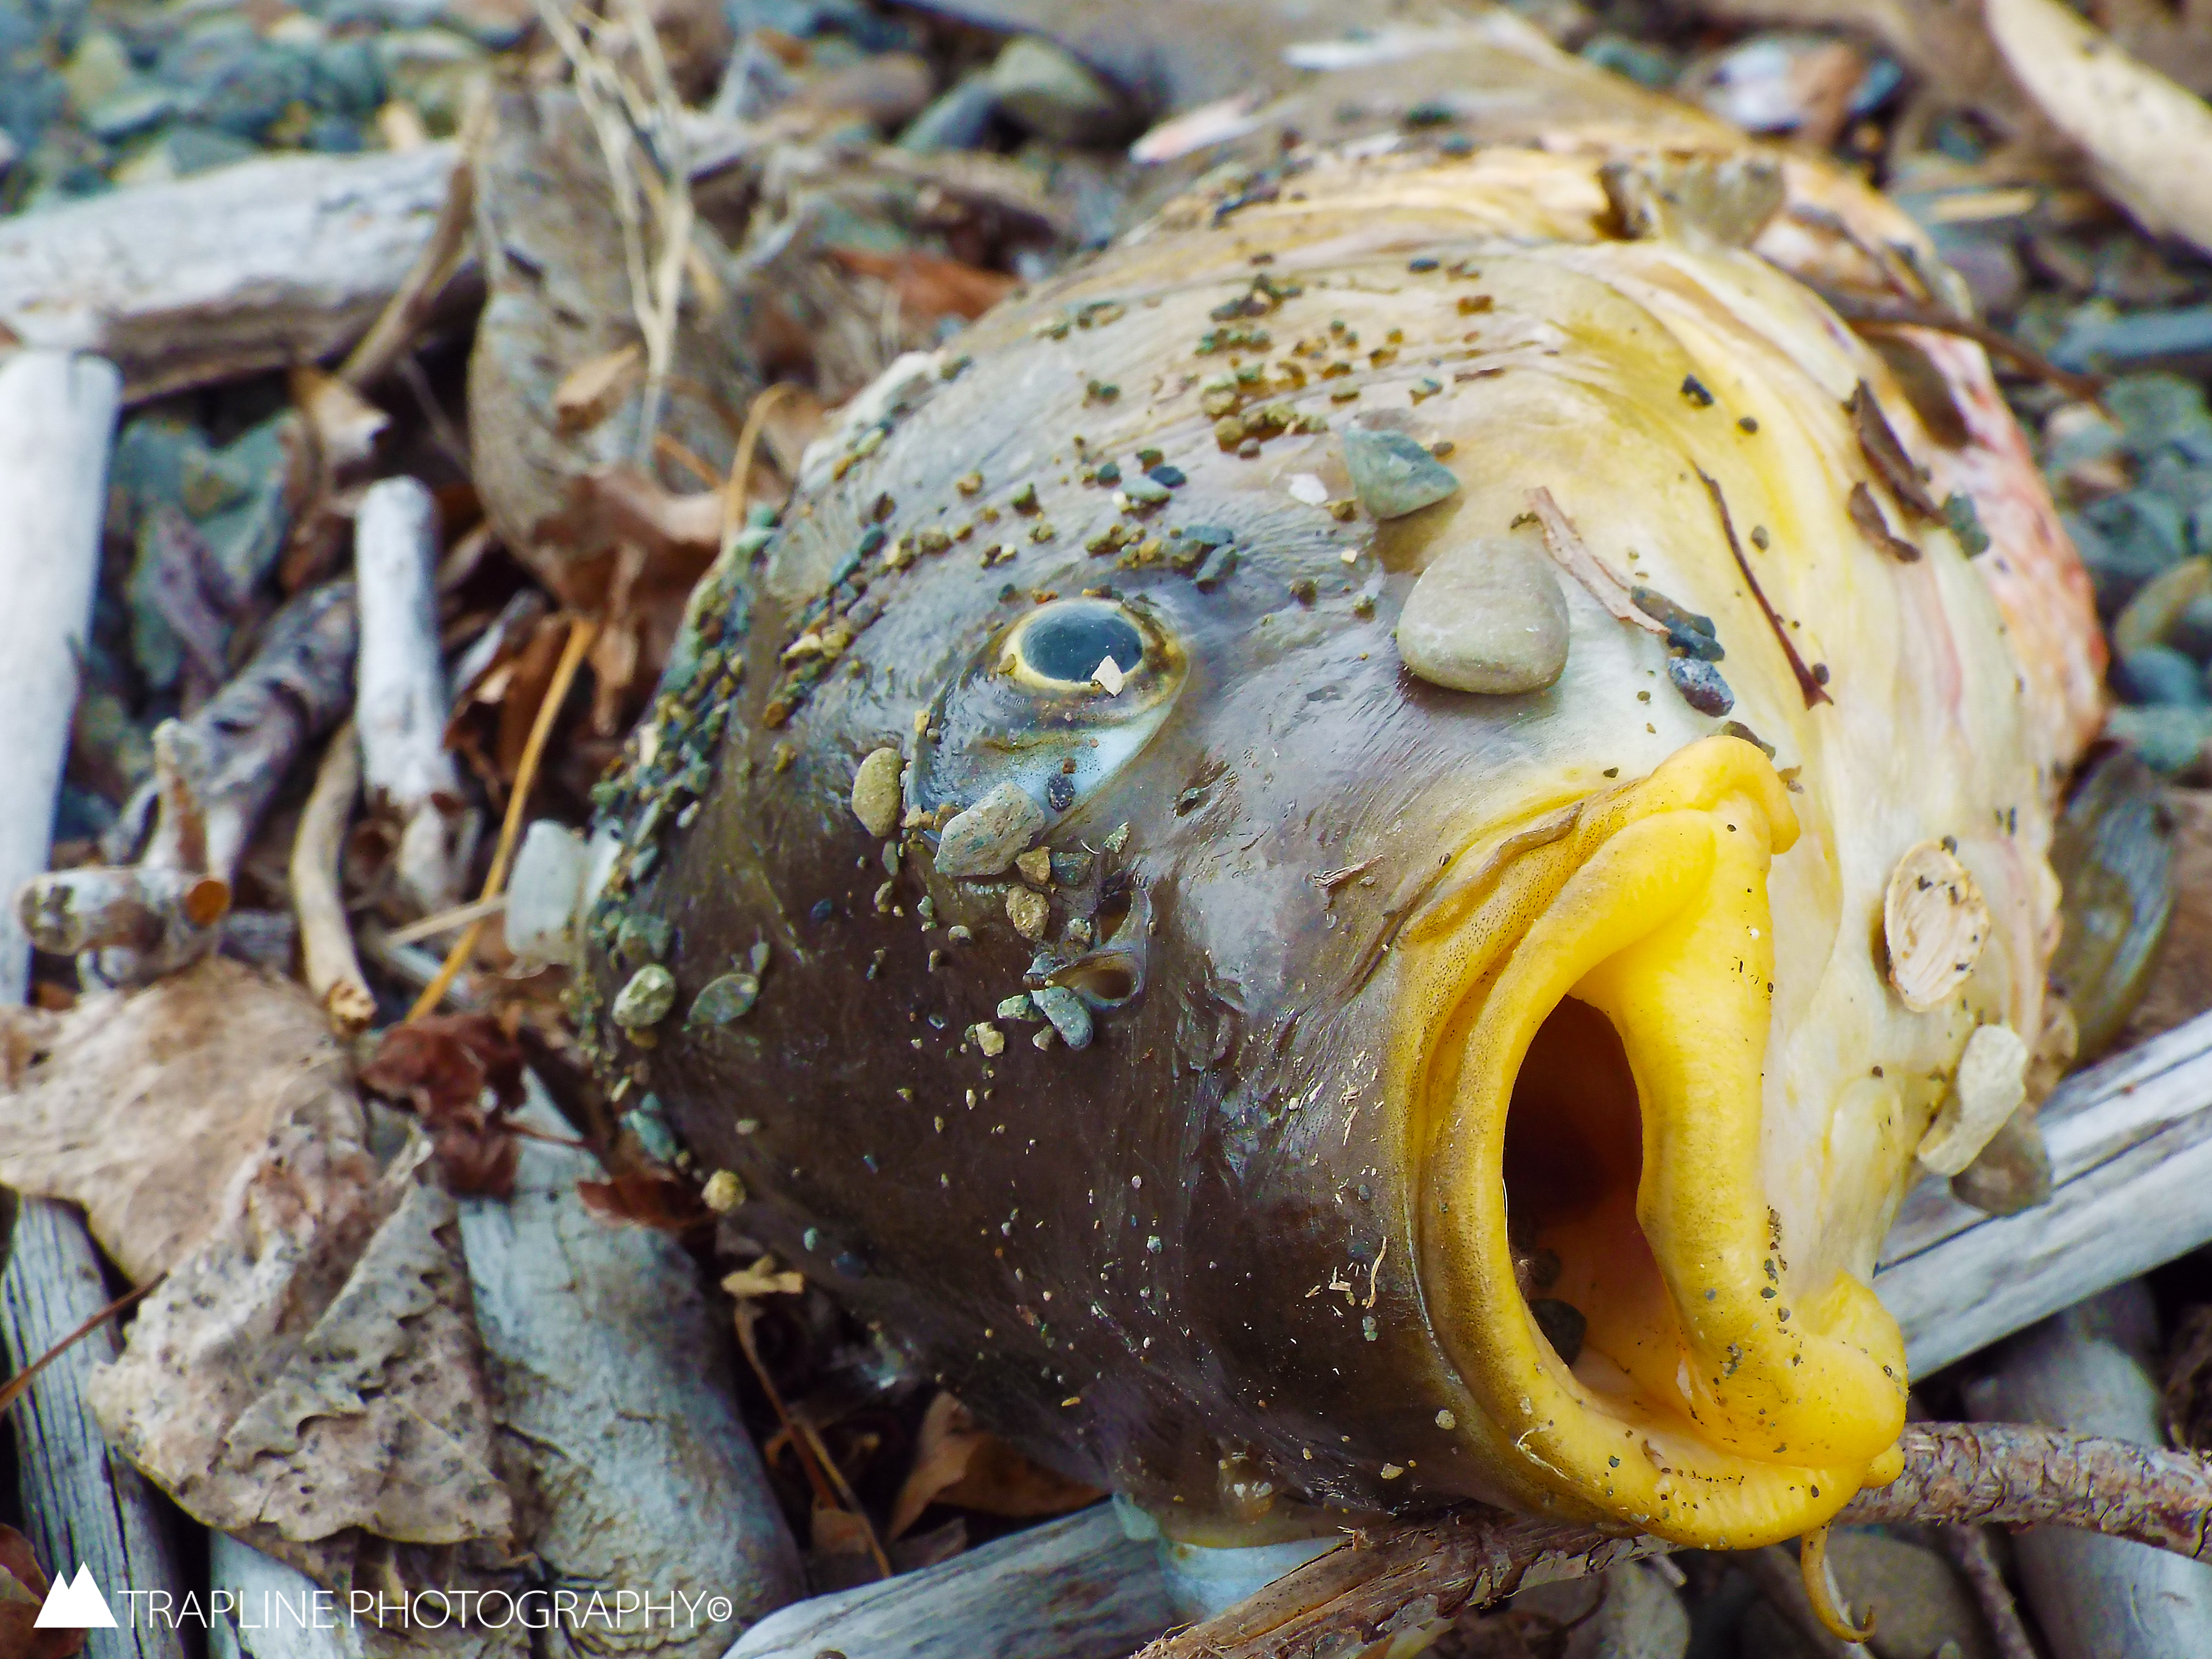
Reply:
x=2002, y=1474
x=327, y=959
x=81, y=1505
x=1071, y=1589
x=402, y=703
x=244, y=269
x=2130, y=1144
x=2091, y=1371
x=609, y=1368
x=57, y=416
x=57, y=420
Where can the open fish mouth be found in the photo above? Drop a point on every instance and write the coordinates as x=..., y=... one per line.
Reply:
x=1582, y=1053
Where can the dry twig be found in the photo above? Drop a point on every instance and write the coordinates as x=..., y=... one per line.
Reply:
x=327, y=960
x=1968, y=1549
x=573, y=651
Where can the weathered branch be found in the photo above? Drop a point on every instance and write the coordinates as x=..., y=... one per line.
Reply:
x=401, y=708
x=246, y=268
x=57, y=416
x=2131, y=1143
x=2003, y=1474
x=215, y=776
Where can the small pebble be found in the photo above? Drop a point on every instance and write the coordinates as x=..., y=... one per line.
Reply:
x=983, y=840
x=1146, y=492
x=1700, y=684
x=1028, y=910
x=1017, y=1007
x=723, y=1192
x=1066, y=1012
x=2159, y=675
x=1035, y=865
x=1489, y=616
x=1392, y=475
x=875, y=792
x=723, y=1000
x=645, y=1000
x=989, y=1039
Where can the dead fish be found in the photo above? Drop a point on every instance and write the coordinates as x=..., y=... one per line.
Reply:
x=1390, y=988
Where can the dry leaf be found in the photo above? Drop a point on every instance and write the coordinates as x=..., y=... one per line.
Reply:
x=558, y=295
x=956, y=1462
x=344, y=424
x=141, y=1105
x=665, y=1203
x=2149, y=140
x=23, y=1586
x=928, y=287
x=594, y=388
x=764, y=1278
x=463, y=1075
x=312, y=1367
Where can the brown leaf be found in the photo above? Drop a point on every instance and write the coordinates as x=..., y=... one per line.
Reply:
x=957, y=1464
x=665, y=1203
x=929, y=287
x=23, y=1587
x=140, y=1106
x=313, y=1367
x=592, y=391
x=344, y=425
x=443, y=1066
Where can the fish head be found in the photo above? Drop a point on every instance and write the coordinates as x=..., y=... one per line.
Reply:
x=1273, y=1042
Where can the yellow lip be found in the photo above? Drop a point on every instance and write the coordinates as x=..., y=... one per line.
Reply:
x=1581, y=1054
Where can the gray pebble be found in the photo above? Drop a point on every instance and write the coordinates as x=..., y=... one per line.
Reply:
x=645, y=1000
x=1048, y=92
x=2160, y=674
x=983, y=840
x=1489, y=616
x=1392, y=474
x=1700, y=684
x=1066, y=1012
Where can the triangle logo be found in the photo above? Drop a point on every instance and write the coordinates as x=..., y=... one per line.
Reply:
x=75, y=1605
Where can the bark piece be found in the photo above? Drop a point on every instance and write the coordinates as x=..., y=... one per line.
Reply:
x=247, y=268
x=141, y=1106
x=1075, y=1588
x=614, y=1381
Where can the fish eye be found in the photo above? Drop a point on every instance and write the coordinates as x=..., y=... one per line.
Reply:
x=1060, y=646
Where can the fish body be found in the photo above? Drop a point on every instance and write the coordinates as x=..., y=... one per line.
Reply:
x=1379, y=1093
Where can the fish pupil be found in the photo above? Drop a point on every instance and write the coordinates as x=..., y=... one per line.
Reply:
x=1068, y=642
